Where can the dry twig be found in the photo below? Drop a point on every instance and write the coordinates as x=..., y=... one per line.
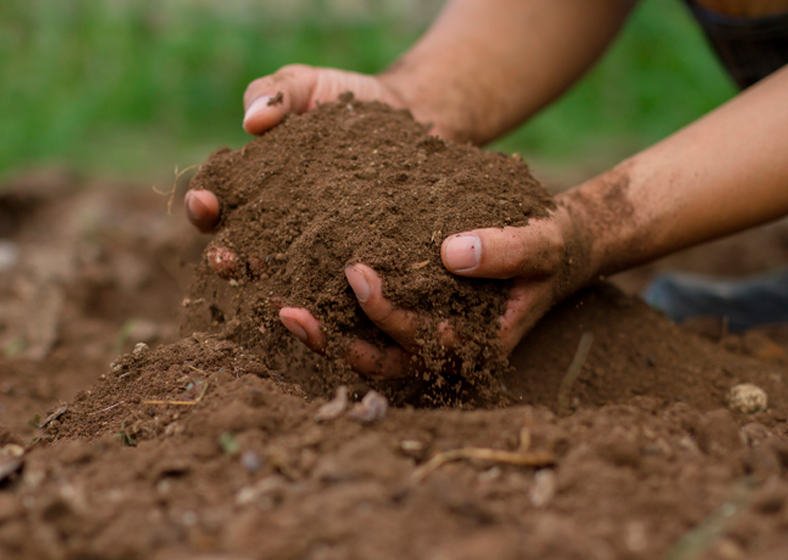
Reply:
x=583, y=348
x=171, y=192
x=181, y=403
x=535, y=459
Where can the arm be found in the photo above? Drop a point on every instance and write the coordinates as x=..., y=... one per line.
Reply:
x=724, y=173
x=481, y=69
x=484, y=67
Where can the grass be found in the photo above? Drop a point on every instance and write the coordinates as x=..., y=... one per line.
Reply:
x=125, y=88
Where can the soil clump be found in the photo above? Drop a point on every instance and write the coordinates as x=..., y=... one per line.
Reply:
x=360, y=182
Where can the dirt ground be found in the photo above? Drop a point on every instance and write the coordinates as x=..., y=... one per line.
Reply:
x=195, y=448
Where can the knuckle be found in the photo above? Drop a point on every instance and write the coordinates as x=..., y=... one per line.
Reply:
x=513, y=254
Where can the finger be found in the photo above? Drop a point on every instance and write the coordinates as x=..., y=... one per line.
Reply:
x=532, y=251
x=399, y=324
x=202, y=209
x=267, y=100
x=528, y=303
x=363, y=357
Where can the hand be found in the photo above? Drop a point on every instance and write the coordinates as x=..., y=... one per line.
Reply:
x=545, y=259
x=301, y=88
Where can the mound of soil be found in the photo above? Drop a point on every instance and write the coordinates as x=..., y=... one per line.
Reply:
x=199, y=449
x=360, y=182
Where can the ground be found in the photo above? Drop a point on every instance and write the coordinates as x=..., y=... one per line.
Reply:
x=190, y=447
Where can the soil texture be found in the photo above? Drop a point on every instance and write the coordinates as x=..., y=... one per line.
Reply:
x=360, y=182
x=196, y=447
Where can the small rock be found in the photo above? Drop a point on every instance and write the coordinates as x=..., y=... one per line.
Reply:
x=747, y=398
x=140, y=348
x=223, y=262
x=250, y=461
x=9, y=255
x=544, y=487
x=372, y=407
x=333, y=408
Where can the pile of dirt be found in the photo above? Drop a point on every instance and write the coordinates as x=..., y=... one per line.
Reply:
x=196, y=450
x=360, y=182
x=200, y=449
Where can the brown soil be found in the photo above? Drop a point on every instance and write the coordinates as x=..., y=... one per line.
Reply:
x=360, y=182
x=197, y=448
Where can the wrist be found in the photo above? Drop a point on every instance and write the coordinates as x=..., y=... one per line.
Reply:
x=579, y=267
x=438, y=107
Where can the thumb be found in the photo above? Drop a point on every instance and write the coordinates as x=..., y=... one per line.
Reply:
x=267, y=100
x=532, y=251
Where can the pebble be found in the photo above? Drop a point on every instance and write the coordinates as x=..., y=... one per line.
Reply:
x=250, y=461
x=372, y=407
x=544, y=488
x=747, y=398
x=335, y=407
x=140, y=348
x=9, y=255
x=223, y=262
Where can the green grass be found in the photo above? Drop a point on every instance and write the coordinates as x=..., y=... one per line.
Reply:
x=126, y=88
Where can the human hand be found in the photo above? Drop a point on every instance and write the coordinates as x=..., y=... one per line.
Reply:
x=295, y=89
x=544, y=259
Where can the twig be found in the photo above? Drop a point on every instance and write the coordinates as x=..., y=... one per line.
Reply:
x=574, y=371
x=535, y=459
x=171, y=192
x=181, y=403
x=108, y=408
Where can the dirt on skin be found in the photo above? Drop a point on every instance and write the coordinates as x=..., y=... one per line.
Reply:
x=360, y=182
x=196, y=448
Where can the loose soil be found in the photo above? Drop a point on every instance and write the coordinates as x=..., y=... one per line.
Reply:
x=194, y=446
x=360, y=182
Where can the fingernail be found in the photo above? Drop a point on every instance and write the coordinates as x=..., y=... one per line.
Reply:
x=258, y=105
x=358, y=282
x=463, y=252
x=294, y=327
x=195, y=207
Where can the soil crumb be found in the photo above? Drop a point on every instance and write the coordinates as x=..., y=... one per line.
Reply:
x=358, y=182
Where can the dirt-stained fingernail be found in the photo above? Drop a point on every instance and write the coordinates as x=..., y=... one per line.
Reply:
x=195, y=208
x=294, y=327
x=358, y=282
x=258, y=105
x=463, y=252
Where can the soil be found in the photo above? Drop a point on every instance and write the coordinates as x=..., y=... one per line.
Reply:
x=195, y=447
x=360, y=182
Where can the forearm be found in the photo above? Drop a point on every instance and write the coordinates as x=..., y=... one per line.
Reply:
x=724, y=173
x=485, y=66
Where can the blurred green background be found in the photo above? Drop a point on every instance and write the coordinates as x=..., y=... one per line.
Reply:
x=127, y=89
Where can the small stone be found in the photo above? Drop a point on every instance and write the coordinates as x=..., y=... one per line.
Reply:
x=223, y=262
x=372, y=407
x=747, y=398
x=9, y=255
x=140, y=348
x=250, y=461
x=333, y=408
x=544, y=487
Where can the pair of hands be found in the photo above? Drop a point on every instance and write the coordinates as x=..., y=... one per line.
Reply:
x=534, y=256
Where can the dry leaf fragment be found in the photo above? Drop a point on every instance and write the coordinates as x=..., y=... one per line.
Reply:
x=333, y=408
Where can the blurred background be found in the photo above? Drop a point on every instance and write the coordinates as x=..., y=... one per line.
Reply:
x=128, y=89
